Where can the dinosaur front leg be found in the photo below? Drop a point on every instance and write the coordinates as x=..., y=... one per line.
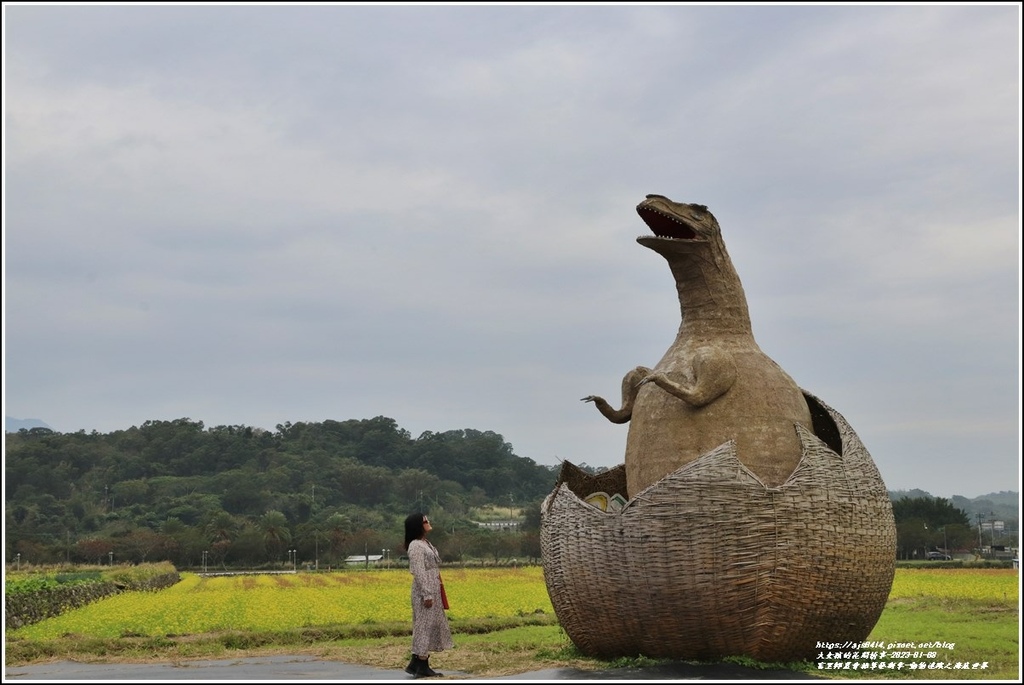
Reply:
x=713, y=373
x=631, y=383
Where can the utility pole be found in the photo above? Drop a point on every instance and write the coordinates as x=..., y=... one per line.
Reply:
x=990, y=518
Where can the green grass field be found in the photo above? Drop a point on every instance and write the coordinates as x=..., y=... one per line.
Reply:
x=953, y=624
x=966, y=620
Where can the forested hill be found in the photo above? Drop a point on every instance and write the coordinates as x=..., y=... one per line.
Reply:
x=178, y=468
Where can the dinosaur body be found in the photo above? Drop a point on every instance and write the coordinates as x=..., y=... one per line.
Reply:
x=714, y=384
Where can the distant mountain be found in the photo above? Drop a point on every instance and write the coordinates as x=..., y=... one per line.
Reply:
x=996, y=506
x=13, y=425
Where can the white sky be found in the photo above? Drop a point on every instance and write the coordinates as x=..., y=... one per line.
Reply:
x=255, y=214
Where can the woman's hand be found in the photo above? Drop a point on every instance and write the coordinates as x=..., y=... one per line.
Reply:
x=428, y=603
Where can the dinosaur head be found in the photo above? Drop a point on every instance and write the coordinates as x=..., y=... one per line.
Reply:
x=677, y=226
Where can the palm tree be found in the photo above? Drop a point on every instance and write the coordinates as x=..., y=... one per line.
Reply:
x=338, y=526
x=222, y=528
x=276, y=534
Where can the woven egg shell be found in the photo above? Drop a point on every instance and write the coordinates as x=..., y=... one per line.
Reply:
x=708, y=562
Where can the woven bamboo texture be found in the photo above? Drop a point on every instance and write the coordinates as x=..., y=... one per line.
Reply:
x=708, y=562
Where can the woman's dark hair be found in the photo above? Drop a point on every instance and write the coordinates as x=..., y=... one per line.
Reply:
x=413, y=527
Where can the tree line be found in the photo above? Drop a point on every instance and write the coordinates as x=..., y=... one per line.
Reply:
x=238, y=495
x=309, y=493
x=926, y=524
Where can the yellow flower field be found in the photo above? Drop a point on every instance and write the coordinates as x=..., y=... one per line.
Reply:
x=280, y=602
x=995, y=584
x=268, y=602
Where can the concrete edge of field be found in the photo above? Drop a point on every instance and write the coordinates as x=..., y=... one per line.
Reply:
x=303, y=667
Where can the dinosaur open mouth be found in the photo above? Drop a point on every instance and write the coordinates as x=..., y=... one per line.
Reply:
x=665, y=225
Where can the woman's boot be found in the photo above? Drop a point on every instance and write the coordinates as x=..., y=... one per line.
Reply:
x=411, y=668
x=423, y=669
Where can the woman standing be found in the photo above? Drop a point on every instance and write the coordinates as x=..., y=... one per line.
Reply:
x=430, y=630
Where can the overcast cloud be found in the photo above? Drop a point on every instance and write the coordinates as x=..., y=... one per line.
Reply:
x=250, y=215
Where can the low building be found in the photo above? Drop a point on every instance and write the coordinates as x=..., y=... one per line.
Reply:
x=356, y=559
x=497, y=525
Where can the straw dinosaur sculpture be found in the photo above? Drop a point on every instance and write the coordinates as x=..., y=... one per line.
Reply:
x=747, y=519
x=714, y=383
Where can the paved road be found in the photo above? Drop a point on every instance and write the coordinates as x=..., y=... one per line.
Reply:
x=281, y=668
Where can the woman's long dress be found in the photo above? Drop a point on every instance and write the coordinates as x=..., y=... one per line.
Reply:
x=430, y=630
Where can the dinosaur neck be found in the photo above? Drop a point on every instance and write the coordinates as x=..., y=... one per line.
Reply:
x=711, y=298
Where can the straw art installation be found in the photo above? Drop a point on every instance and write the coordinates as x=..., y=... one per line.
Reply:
x=747, y=519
